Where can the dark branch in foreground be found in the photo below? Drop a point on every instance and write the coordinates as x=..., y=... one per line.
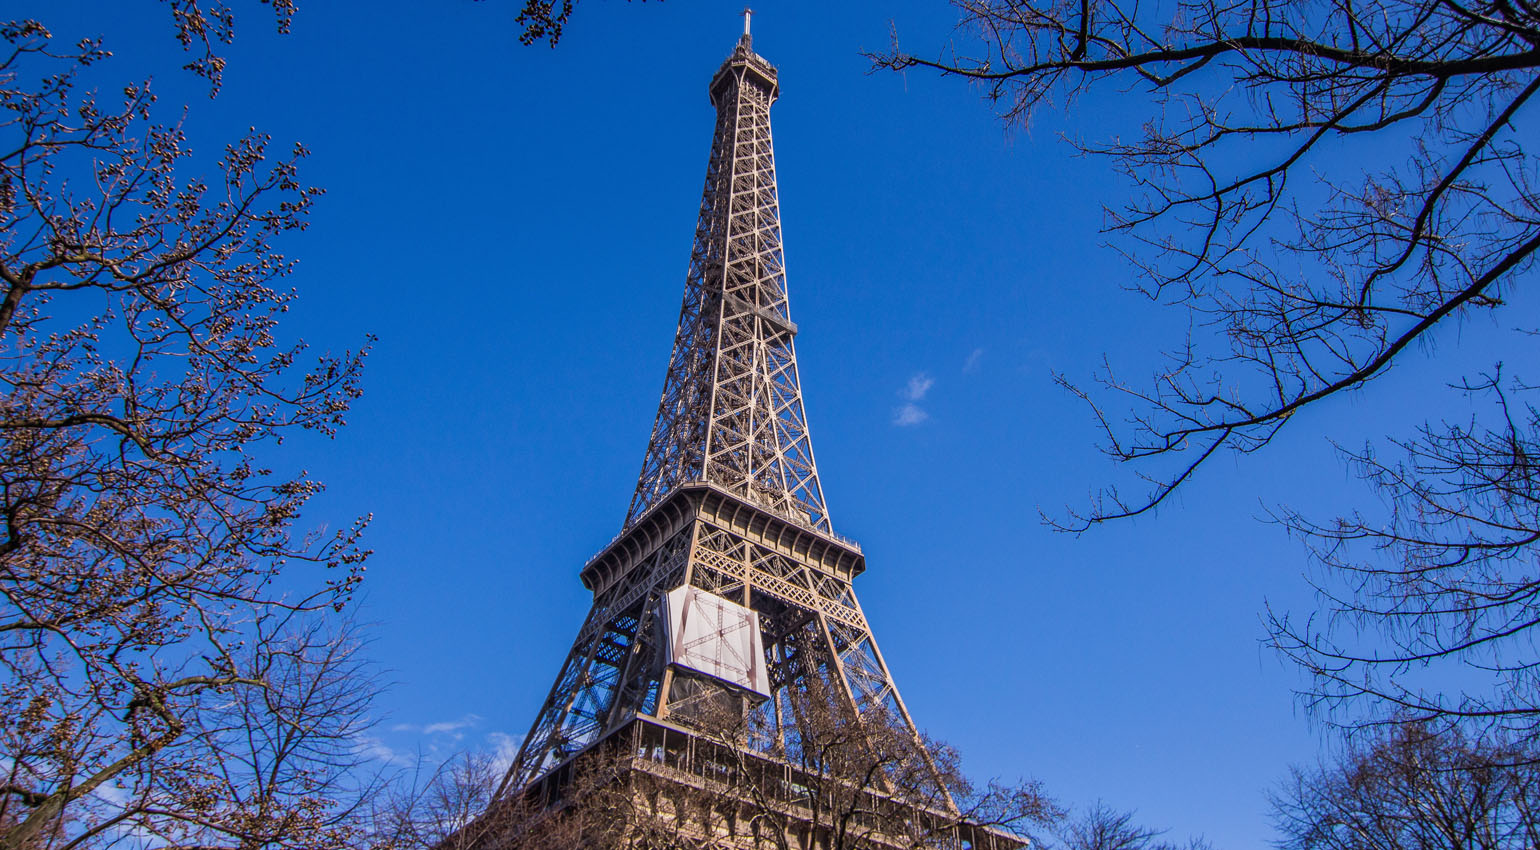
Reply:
x=1322, y=188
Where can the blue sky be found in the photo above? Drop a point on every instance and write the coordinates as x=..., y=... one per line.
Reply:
x=514, y=224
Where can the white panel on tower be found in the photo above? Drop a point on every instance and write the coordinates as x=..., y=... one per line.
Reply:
x=717, y=637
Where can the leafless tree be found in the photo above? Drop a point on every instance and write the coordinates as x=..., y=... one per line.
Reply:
x=544, y=20
x=166, y=675
x=1456, y=587
x=1321, y=187
x=1406, y=788
x=454, y=806
x=1102, y=827
x=851, y=785
x=442, y=806
x=860, y=782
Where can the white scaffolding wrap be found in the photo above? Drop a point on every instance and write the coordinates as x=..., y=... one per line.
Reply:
x=711, y=635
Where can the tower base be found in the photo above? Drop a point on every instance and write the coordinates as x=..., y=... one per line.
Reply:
x=651, y=785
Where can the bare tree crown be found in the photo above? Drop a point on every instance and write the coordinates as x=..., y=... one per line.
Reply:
x=1321, y=186
x=162, y=671
x=1252, y=203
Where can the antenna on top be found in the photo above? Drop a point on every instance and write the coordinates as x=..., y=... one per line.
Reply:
x=747, y=13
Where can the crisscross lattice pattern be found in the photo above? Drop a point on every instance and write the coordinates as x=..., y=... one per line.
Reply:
x=729, y=499
x=731, y=411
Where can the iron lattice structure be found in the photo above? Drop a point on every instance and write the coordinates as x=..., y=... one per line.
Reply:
x=732, y=412
x=729, y=501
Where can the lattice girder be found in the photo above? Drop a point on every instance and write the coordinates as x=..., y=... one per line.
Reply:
x=811, y=623
x=731, y=411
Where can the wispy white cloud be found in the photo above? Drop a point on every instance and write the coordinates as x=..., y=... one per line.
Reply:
x=416, y=743
x=377, y=750
x=451, y=727
x=113, y=793
x=425, y=746
x=504, y=749
x=910, y=412
x=131, y=834
x=971, y=364
x=919, y=385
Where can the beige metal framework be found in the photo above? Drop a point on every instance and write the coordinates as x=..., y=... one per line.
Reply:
x=732, y=411
x=672, y=771
x=729, y=499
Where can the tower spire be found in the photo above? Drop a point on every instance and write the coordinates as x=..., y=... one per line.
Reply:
x=731, y=412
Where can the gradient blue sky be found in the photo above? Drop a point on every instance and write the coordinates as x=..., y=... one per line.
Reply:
x=514, y=224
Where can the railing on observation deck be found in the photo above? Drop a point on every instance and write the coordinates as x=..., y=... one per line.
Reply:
x=800, y=520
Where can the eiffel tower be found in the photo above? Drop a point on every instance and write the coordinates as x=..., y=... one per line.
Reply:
x=727, y=580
